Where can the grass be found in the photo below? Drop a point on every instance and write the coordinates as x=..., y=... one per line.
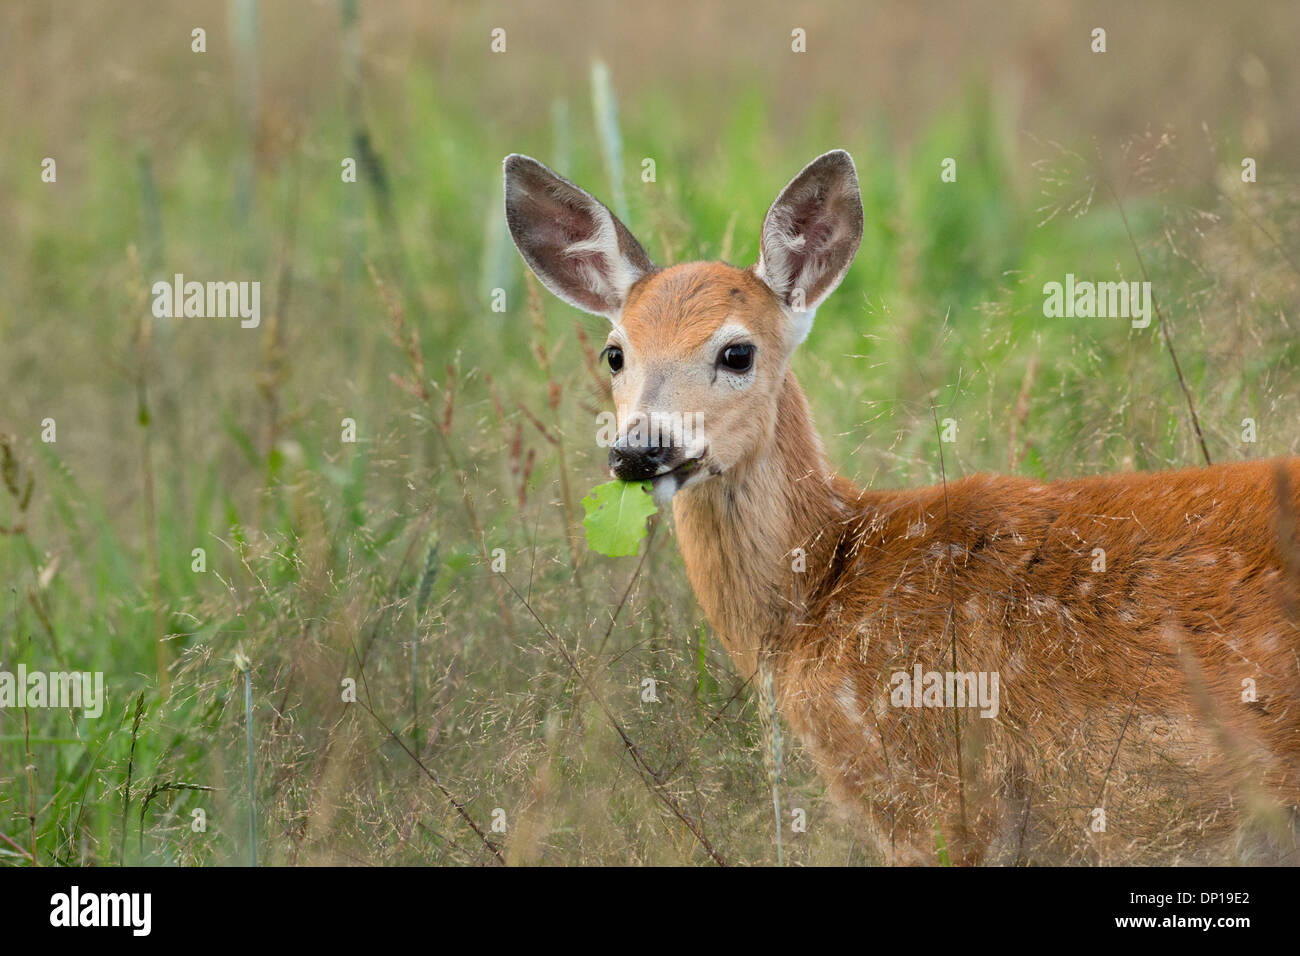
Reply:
x=519, y=691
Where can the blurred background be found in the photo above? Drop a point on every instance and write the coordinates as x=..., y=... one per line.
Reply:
x=324, y=560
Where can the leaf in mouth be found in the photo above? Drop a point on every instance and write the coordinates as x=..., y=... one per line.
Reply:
x=616, y=516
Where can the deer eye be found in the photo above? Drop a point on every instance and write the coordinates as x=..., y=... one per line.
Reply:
x=737, y=358
x=614, y=356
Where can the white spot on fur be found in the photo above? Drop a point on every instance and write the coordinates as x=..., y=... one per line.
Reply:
x=847, y=698
x=1041, y=605
x=937, y=550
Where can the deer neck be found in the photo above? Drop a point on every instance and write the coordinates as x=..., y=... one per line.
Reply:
x=738, y=533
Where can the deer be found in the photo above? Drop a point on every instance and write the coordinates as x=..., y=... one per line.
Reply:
x=1139, y=632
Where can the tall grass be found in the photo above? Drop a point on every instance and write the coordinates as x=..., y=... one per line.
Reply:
x=519, y=689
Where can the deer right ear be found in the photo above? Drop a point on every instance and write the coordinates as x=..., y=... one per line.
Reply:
x=573, y=244
x=810, y=236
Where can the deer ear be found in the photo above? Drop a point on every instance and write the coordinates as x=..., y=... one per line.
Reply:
x=810, y=236
x=576, y=246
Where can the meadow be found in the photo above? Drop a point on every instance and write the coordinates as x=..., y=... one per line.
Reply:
x=370, y=651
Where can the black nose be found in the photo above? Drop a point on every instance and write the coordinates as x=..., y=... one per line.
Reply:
x=639, y=462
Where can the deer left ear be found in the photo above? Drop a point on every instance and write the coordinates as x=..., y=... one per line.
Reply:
x=810, y=236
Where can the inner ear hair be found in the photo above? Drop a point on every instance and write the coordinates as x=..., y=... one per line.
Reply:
x=812, y=233
x=570, y=240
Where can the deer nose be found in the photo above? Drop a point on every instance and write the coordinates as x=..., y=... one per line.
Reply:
x=639, y=462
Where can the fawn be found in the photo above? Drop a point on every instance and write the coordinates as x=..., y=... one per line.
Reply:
x=1140, y=632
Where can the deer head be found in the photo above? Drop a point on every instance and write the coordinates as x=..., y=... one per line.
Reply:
x=697, y=353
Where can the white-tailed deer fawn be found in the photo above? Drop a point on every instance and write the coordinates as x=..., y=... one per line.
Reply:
x=1091, y=670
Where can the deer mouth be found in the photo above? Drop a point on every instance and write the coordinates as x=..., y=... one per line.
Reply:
x=673, y=480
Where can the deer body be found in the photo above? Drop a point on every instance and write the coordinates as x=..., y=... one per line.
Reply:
x=1192, y=592
x=1139, y=631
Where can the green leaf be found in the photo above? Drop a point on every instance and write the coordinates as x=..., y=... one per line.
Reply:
x=616, y=516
